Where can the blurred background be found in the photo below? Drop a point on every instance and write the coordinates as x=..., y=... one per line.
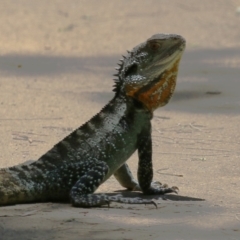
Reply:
x=89, y=28
x=57, y=59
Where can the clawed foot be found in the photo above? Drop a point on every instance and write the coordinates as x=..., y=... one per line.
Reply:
x=159, y=188
x=164, y=187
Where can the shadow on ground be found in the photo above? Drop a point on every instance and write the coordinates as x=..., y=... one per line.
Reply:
x=129, y=194
x=203, y=75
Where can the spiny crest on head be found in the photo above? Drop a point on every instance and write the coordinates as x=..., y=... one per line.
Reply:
x=117, y=80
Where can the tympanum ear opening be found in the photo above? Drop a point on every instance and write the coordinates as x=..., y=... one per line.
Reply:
x=131, y=70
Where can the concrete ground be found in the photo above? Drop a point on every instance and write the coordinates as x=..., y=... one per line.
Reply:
x=56, y=64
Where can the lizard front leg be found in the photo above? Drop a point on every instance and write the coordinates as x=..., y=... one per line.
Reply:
x=145, y=168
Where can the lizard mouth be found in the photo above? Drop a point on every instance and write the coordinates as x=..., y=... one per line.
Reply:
x=164, y=60
x=171, y=54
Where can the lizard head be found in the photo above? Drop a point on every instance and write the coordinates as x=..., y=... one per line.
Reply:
x=148, y=73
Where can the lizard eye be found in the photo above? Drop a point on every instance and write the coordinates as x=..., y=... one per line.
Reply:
x=131, y=70
x=154, y=45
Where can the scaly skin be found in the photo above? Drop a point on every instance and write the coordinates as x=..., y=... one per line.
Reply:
x=76, y=166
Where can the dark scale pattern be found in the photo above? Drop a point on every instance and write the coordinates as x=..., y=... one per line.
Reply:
x=76, y=166
x=81, y=193
x=145, y=169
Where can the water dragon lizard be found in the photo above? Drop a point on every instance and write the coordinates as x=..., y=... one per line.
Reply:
x=76, y=166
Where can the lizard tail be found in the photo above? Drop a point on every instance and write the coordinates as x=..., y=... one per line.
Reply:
x=11, y=191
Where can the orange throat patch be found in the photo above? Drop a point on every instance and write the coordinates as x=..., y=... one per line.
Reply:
x=158, y=94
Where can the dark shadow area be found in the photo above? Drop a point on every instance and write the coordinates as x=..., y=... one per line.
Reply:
x=173, y=197
x=44, y=65
x=78, y=223
x=28, y=233
x=182, y=95
x=202, y=73
x=207, y=73
x=80, y=229
x=193, y=63
x=208, y=82
x=207, y=61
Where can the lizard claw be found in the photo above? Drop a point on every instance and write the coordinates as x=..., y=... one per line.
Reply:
x=154, y=203
x=175, y=189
